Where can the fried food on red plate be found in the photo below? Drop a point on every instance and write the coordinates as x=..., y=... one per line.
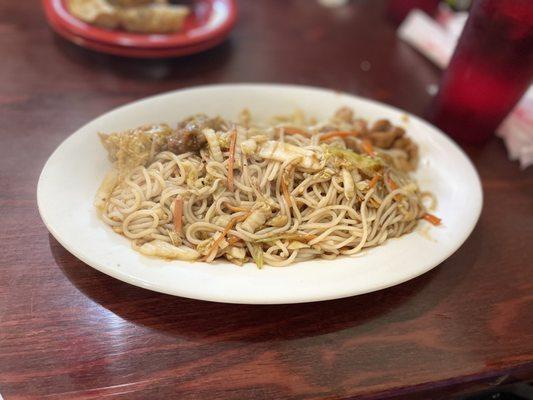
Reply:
x=141, y=16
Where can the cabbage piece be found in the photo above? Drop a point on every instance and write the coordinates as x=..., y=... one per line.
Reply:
x=296, y=245
x=236, y=255
x=159, y=248
x=258, y=255
x=348, y=183
x=261, y=212
x=278, y=221
x=274, y=150
x=214, y=145
x=248, y=147
x=350, y=159
x=106, y=188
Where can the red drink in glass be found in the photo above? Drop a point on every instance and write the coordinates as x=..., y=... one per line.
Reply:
x=491, y=69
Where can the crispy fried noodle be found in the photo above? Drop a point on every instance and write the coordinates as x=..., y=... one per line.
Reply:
x=277, y=193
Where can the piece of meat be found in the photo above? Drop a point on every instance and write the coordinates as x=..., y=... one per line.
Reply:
x=384, y=135
x=344, y=114
x=381, y=125
x=202, y=121
x=411, y=150
x=360, y=126
x=188, y=135
x=184, y=141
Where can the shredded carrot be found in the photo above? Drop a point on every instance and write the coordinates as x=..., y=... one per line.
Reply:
x=284, y=187
x=237, y=208
x=228, y=228
x=234, y=241
x=285, y=191
x=178, y=213
x=374, y=203
x=432, y=219
x=368, y=148
x=295, y=131
x=393, y=184
x=374, y=180
x=231, y=159
x=310, y=237
x=341, y=134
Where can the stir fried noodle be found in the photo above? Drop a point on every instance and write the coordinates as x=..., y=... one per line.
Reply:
x=278, y=193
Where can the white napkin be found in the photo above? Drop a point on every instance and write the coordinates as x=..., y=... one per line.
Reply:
x=436, y=39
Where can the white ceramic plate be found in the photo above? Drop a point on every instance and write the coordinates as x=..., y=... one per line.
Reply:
x=74, y=171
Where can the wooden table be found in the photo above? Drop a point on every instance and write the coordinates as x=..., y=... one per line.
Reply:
x=70, y=332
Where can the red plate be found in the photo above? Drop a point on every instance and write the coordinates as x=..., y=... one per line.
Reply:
x=210, y=20
x=132, y=51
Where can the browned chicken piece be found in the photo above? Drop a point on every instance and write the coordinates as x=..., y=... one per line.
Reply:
x=96, y=12
x=153, y=18
x=386, y=136
x=188, y=135
x=344, y=114
x=381, y=125
x=407, y=145
x=383, y=134
x=360, y=126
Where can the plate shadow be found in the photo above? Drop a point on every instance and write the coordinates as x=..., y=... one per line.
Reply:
x=178, y=316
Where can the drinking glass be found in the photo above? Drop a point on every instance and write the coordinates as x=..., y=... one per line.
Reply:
x=491, y=69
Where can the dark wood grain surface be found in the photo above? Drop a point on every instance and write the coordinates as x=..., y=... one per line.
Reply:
x=70, y=332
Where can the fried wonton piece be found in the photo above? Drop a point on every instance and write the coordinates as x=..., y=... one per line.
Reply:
x=95, y=12
x=154, y=18
x=135, y=3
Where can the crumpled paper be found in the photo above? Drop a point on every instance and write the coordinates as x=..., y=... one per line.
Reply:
x=436, y=39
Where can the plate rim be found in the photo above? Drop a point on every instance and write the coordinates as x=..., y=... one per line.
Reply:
x=235, y=298
x=133, y=52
